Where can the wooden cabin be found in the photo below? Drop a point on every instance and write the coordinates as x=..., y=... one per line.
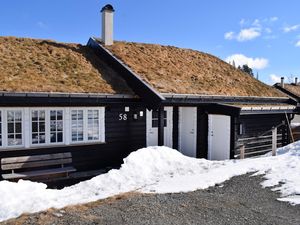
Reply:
x=68, y=110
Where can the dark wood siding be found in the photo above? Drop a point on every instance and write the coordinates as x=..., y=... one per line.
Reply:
x=121, y=136
x=257, y=135
x=202, y=133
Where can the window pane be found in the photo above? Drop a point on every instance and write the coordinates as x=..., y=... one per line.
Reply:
x=18, y=116
x=10, y=128
x=80, y=136
x=53, y=137
x=18, y=128
x=53, y=115
x=42, y=127
x=59, y=115
x=10, y=116
x=35, y=138
x=42, y=138
x=59, y=125
x=11, y=140
x=34, y=115
x=59, y=137
x=19, y=139
x=42, y=115
x=80, y=115
x=52, y=125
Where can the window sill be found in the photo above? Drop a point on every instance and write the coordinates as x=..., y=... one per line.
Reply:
x=22, y=148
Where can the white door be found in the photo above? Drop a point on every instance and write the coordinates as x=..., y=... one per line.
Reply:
x=218, y=137
x=152, y=127
x=188, y=131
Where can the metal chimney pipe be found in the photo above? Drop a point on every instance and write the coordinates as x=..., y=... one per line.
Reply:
x=107, y=24
x=282, y=82
x=296, y=80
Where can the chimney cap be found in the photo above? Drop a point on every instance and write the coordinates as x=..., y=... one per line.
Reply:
x=108, y=7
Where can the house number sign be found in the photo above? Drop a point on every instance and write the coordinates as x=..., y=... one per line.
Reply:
x=123, y=116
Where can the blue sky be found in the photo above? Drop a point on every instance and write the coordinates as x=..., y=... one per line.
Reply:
x=263, y=33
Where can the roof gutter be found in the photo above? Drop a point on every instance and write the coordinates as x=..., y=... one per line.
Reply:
x=140, y=87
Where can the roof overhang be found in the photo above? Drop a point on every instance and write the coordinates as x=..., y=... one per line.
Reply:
x=11, y=99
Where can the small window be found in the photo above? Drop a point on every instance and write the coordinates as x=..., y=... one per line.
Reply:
x=155, y=118
x=56, y=126
x=77, y=125
x=38, y=127
x=93, y=125
x=14, y=127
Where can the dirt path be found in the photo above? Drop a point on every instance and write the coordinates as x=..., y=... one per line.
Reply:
x=238, y=201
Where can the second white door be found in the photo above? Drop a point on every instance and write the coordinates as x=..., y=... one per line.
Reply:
x=218, y=137
x=188, y=131
x=152, y=127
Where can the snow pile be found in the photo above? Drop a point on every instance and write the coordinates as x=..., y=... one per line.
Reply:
x=159, y=170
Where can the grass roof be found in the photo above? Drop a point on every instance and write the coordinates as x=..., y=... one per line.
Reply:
x=184, y=71
x=31, y=65
x=293, y=88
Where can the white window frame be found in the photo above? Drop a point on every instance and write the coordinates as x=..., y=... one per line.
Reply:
x=5, y=128
x=67, y=129
x=84, y=125
x=101, y=128
x=64, y=125
x=46, y=127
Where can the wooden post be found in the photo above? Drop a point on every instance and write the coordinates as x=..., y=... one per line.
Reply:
x=242, y=152
x=160, y=126
x=290, y=129
x=274, y=141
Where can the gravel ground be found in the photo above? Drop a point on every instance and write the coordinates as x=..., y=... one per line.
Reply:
x=238, y=201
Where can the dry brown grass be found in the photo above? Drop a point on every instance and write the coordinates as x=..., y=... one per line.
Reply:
x=184, y=71
x=294, y=89
x=31, y=65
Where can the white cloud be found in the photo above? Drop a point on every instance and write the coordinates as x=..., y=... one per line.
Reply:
x=244, y=35
x=288, y=29
x=242, y=22
x=256, y=23
x=275, y=78
x=273, y=19
x=297, y=44
x=254, y=63
x=248, y=34
x=229, y=35
x=268, y=30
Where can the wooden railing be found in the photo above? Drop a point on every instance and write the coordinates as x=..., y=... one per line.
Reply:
x=266, y=142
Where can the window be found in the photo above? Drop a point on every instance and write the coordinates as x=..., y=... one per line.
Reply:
x=38, y=127
x=155, y=118
x=56, y=126
x=93, y=125
x=77, y=125
x=34, y=127
x=14, y=127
